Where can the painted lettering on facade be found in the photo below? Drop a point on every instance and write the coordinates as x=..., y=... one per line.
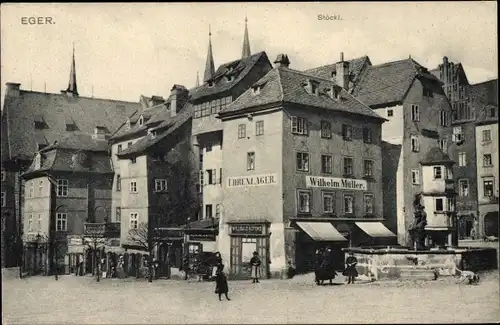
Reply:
x=257, y=180
x=245, y=229
x=337, y=183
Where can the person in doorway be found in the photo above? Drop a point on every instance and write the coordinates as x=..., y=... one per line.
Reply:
x=221, y=286
x=255, y=264
x=350, y=271
x=185, y=266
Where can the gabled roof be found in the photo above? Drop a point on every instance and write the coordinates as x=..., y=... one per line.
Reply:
x=80, y=141
x=19, y=114
x=135, y=128
x=164, y=130
x=389, y=83
x=485, y=101
x=238, y=69
x=282, y=85
x=355, y=69
x=436, y=156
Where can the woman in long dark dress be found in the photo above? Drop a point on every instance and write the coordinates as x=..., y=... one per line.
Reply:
x=350, y=271
x=221, y=286
x=255, y=264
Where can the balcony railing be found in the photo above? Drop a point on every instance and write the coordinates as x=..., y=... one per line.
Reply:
x=105, y=229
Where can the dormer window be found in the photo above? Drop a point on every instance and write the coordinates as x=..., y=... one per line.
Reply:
x=256, y=90
x=39, y=122
x=313, y=87
x=127, y=125
x=336, y=90
x=141, y=120
x=229, y=78
x=152, y=133
x=38, y=161
x=210, y=83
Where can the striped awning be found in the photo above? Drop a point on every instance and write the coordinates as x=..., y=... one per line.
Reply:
x=375, y=229
x=321, y=231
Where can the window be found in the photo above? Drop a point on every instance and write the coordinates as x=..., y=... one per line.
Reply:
x=211, y=175
x=208, y=211
x=30, y=222
x=451, y=204
x=217, y=211
x=40, y=188
x=439, y=204
x=443, y=144
x=141, y=120
x=443, y=121
x=39, y=222
x=61, y=221
x=160, y=185
x=326, y=164
x=31, y=189
x=487, y=162
x=134, y=220
x=462, y=159
x=256, y=90
x=299, y=125
x=368, y=203
x=328, y=202
x=347, y=132
x=348, y=204
x=259, y=128
x=220, y=175
x=367, y=135
x=457, y=134
x=488, y=187
x=303, y=161
x=427, y=92
x=118, y=183
x=390, y=113
x=492, y=111
x=326, y=130
x=242, y=130
x=3, y=199
x=62, y=187
x=415, y=113
x=129, y=144
x=314, y=86
x=120, y=148
x=438, y=172
x=368, y=168
x=415, y=145
x=118, y=214
x=201, y=160
x=304, y=200
x=250, y=160
x=133, y=160
x=133, y=187
x=486, y=135
x=463, y=187
x=201, y=180
x=3, y=175
x=348, y=166
x=415, y=176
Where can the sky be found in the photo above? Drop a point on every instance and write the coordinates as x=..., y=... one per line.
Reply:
x=126, y=50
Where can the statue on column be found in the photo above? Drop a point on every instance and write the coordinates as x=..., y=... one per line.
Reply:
x=417, y=231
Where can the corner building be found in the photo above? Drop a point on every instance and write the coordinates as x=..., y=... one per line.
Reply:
x=302, y=164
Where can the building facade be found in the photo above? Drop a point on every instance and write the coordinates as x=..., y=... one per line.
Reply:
x=301, y=155
x=419, y=119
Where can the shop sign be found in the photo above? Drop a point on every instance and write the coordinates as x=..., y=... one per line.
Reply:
x=202, y=237
x=247, y=229
x=251, y=181
x=75, y=241
x=337, y=183
x=165, y=233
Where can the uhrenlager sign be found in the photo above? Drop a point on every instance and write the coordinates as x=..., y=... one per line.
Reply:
x=336, y=183
x=255, y=180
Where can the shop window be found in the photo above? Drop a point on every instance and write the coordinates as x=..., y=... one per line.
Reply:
x=304, y=201
x=326, y=164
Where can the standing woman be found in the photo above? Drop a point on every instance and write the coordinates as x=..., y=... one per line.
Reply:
x=350, y=271
x=255, y=263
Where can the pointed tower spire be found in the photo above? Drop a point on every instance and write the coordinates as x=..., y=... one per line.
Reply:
x=246, y=43
x=197, y=78
x=209, y=65
x=72, y=76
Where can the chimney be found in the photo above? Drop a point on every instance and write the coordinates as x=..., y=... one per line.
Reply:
x=342, y=72
x=282, y=61
x=178, y=97
x=13, y=89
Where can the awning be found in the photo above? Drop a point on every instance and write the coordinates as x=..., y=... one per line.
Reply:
x=375, y=229
x=321, y=231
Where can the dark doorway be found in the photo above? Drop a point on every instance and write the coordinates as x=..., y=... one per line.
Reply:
x=491, y=224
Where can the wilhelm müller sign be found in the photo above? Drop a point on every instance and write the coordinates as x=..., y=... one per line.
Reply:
x=254, y=180
x=336, y=183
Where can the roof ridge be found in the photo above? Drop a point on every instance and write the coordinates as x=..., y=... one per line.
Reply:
x=305, y=74
x=84, y=97
x=388, y=63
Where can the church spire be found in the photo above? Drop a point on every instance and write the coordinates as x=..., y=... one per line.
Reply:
x=197, y=78
x=209, y=65
x=246, y=43
x=72, y=88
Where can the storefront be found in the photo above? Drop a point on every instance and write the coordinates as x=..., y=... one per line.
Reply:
x=247, y=238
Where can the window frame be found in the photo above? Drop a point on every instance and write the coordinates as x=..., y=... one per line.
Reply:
x=435, y=174
x=325, y=194
x=207, y=206
x=492, y=184
x=61, y=219
x=160, y=185
x=133, y=220
x=367, y=135
x=415, y=113
x=436, y=204
x=415, y=147
x=390, y=113
x=30, y=222
x=40, y=188
x=365, y=201
x=3, y=199
x=325, y=129
x=118, y=214
x=133, y=189
x=443, y=118
x=486, y=135
x=62, y=188
x=371, y=163
x=487, y=160
x=250, y=160
x=462, y=159
x=329, y=163
x=348, y=195
x=462, y=193
x=299, y=209
x=299, y=125
x=347, y=132
x=259, y=127
x=118, y=183
x=344, y=165
x=302, y=160
x=415, y=172
x=242, y=131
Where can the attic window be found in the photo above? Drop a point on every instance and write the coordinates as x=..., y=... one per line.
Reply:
x=229, y=78
x=127, y=125
x=210, y=83
x=313, y=87
x=70, y=124
x=39, y=122
x=256, y=90
x=141, y=120
x=152, y=133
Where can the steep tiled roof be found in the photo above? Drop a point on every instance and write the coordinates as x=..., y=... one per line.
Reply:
x=135, y=128
x=436, y=156
x=283, y=85
x=20, y=113
x=238, y=69
x=485, y=100
x=164, y=130
x=388, y=83
x=75, y=153
x=355, y=69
